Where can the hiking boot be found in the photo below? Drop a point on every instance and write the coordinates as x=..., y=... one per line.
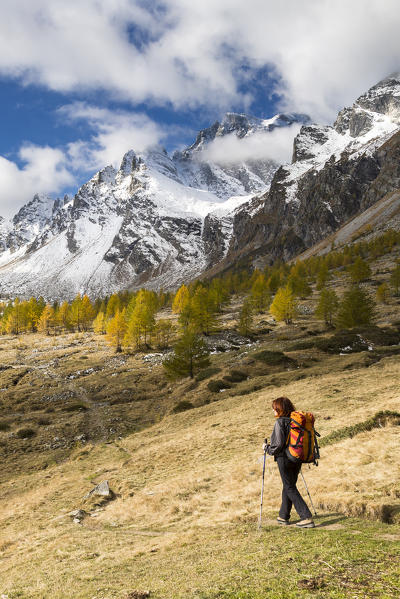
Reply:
x=309, y=523
x=282, y=521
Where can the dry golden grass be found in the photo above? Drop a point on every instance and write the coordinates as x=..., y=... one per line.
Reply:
x=191, y=480
x=187, y=485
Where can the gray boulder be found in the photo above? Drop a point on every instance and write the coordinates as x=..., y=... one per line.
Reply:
x=102, y=489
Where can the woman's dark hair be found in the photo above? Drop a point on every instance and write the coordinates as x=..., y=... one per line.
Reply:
x=283, y=406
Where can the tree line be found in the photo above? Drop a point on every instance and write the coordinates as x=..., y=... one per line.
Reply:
x=128, y=319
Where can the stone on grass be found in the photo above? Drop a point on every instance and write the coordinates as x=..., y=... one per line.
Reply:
x=77, y=515
x=101, y=489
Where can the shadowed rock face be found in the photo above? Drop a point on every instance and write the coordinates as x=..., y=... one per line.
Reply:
x=325, y=200
x=360, y=164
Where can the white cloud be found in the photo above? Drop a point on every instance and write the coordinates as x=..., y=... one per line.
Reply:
x=115, y=132
x=324, y=52
x=187, y=53
x=51, y=170
x=44, y=170
x=274, y=145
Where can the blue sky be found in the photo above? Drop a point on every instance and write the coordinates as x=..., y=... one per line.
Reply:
x=83, y=82
x=30, y=114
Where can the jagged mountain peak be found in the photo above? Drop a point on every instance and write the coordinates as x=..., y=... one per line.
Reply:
x=106, y=175
x=378, y=107
x=375, y=114
x=243, y=125
x=39, y=207
x=160, y=220
x=391, y=82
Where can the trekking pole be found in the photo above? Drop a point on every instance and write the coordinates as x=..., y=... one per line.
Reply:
x=305, y=484
x=262, y=485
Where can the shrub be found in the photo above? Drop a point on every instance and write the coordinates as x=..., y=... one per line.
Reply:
x=218, y=385
x=25, y=433
x=306, y=344
x=43, y=421
x=182, y=406
x=379, y=420
x=251, y=389
x=236, y=376
x=273, y=358
x=4, y=426
x=121, y=399
x=193, y=385
x=379, y=336
x=342, y=341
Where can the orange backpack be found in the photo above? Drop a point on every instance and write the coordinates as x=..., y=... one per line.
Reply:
x=302, y=445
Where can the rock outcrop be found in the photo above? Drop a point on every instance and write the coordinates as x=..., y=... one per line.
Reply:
x=336, y=173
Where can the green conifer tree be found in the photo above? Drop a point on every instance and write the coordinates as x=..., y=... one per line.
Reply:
x=323, y=276
x=395, y=279
x=190, y=355
x=327, y=306
x=299, y=285
x=359, y=270
x=356, y=308
x=163, y=332
x=260, y=294
x=382, y=293
x=274, y=281
x=245, y=323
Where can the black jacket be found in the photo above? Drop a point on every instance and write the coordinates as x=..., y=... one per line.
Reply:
x=279, y=437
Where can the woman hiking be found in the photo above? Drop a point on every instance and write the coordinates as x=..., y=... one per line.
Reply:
x=288, y=470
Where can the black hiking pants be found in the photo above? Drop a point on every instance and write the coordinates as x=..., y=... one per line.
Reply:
x=289, y=472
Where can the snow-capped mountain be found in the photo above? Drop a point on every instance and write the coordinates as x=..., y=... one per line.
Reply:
x=227, y=180
x=157, y=221
x=337, y=172
x=161, y=220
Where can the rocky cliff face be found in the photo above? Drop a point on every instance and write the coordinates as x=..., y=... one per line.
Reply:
x=227, y=180
x=336, y=173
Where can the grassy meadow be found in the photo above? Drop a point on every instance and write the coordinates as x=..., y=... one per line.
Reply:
x=186, y=478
